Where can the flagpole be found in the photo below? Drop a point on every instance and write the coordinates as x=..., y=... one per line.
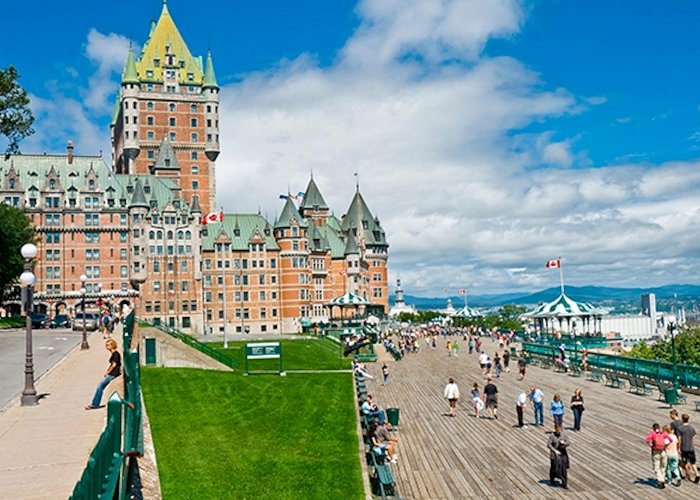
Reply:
x=561, y=276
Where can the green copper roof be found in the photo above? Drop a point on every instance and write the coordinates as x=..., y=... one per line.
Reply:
x=139, y=198
x=166, y=159
x=130, y=74
x=209, y=76
x=351, y=247
x=360, y=218
x=240, y=229
x=289, y=213
x=313, y=198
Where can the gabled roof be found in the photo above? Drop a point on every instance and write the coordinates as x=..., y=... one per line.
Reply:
x=165, y=34
x=312, y=197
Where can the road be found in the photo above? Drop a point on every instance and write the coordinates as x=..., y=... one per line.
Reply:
x=50, y=346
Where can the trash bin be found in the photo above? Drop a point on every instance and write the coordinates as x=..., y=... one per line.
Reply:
x=392, y=416
x=671, y=395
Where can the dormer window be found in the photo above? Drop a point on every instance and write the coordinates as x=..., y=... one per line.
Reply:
x=91, y=184
x=190, y=77
x=167, y=162
x=149, y=73
x=156, y=62
x=154, y=204
x=236, y=232
x=52, y=184
x=147, y=189
x=11, y=183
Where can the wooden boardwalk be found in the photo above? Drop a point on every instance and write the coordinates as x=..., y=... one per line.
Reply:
x=465, y=457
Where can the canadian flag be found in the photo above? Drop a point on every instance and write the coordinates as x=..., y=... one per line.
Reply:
x=213, y=217
x=553, y=263
x=462, y=291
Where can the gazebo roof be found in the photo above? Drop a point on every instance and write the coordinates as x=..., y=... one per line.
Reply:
x=349, y=299
x=563, y=306
x=468, y=312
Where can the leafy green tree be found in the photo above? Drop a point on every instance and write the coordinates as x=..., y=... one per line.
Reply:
x=15, y=231
x=687, y=342
x=15, y=116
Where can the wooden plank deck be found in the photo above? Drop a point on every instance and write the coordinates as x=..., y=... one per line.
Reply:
x=465, y=457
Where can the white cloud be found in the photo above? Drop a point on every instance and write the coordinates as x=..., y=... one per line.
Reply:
x=433, y=127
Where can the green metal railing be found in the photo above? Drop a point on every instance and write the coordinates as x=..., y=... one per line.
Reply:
x=122, y=438
x=658, y=371
x=196, y=344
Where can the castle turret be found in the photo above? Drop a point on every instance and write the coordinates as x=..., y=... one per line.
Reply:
x=210, y=89
x=130, y=113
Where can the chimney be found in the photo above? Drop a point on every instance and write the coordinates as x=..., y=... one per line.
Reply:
x=69, y=147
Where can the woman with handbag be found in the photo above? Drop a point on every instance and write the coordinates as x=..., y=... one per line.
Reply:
x=577, y=408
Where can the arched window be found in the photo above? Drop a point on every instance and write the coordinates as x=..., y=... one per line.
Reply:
x=12, y=183
x=52, y=184
x=159, y=235
x=170, y=235
x=188, y=235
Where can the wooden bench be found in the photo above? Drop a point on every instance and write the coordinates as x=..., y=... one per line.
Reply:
x=594, y=376
x=385, y=485
x=639, y=387
x=613, y=380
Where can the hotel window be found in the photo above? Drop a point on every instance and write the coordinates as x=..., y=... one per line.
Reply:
x=377, y=293
x=150, y=155
x=195, y=184
x=193, y=122
x=193, y=155
x=185, y=286
x=156, y=286
x=149, y=120
x=193, y=108
x=194, y=137
x=195, y=170
x=171, y=107
x=149, y=106
x=122, y=236
x=171, y=121
x=172, y=136
x=53, y=237
x=261, y=295
x=149, y=87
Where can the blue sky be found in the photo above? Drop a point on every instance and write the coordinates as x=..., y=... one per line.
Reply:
x=490, y=135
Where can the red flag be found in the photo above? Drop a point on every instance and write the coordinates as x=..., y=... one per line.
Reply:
x=213, y=217
x=462, y=291
x=553, y=263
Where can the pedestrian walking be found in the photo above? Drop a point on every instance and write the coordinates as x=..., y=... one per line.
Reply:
x=558, y=444
x=448, y=345
x=452, y=396
x=687, y=436
x=506, y=360
x=476, y=400
x=537, y=399
x=520, y=407
x=577, y=408
x=455, y=348
x=522, y=365
x=657, y=441
x=557, y=409
x=497, y=364
x=491, y=396
x=385, y=374
x=673, y=474
x=471, y=344
x=113, y=371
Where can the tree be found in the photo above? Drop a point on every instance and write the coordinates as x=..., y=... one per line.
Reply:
x=15, y=231
x=15, y=116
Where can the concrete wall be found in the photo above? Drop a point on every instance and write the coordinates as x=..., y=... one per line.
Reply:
x=173, y=353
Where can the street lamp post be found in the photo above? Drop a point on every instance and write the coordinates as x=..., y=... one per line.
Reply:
x=672, y=327
x=27, y=279
x=84, y=344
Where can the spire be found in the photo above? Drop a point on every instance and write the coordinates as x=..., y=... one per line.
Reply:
x=139, y=198
x=196, y=209
x=289, y=213
x=165, y=8
x=209, y=76
x=312, y=197
x=130, y=74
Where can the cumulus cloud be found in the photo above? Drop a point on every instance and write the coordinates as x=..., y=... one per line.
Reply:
x=78, y=112
x=436, y=131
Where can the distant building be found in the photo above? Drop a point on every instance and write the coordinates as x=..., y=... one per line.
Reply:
x=400, y=305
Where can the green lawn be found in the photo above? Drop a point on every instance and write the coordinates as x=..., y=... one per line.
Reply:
x=302, y=354
x=222, y=435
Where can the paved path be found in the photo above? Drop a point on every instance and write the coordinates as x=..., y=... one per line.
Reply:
x=49, y=347
x=465, y=457
x=44, y=448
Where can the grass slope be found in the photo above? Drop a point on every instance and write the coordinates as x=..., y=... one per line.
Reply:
x=222, y=435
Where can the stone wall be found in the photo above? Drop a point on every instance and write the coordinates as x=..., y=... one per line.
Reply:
x=173, y=353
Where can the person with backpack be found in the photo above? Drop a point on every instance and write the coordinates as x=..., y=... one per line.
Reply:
x=657, y=440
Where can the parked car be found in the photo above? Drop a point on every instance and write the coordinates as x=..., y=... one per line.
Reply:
x=40, y=320
x=60, y=321
x=91, y=319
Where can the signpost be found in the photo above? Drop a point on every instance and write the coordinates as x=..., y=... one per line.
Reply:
x=263, y=350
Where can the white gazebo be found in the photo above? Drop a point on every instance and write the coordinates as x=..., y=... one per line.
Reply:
x=567, y=315
x=468, y=312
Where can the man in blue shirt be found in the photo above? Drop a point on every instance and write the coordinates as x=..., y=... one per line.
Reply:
x=537, y=398
x=371, y=410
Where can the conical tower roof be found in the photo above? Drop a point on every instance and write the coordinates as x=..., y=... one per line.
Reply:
x=139, y=197
x=130, y=74
x=312, y=198
x=209, y=76
x=289, y=213
x=166, y=159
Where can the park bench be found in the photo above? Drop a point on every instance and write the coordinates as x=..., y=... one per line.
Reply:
x=575, y=370
x=680, y=397
x=639, y=387
x=366, y=357
x=385, y=485
x=394, y=352
x=613, y=380
x=594, y=376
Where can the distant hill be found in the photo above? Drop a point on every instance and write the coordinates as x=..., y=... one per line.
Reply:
x=594, y=294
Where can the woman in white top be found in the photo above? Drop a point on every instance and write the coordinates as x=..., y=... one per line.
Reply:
x=452, y=396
